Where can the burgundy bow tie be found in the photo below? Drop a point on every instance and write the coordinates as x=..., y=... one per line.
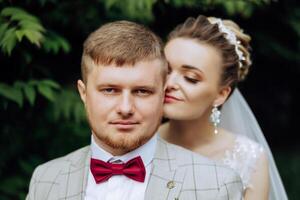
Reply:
x=133, y=169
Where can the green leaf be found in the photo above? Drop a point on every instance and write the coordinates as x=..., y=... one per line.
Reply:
x=24, y=16
x=33, y=26
x=53, y=42
x=34, y=37
x=109, y=3
x=33, y=82
x=22, y=24
x=30, y=93
x=20, y=34
x=17, y=14
x=9, y=41
x=51, y=83
x=19, y=84
x=230, y=7
x=3, y=29
x=9, y=11
x=135, y=9
x=12, y=93
x=65, y=45
x=247, y=12
x=46, y=91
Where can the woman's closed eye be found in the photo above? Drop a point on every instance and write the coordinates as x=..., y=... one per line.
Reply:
x=191, y=80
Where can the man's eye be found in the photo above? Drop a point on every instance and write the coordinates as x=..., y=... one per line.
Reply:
x=109, y=90
x=143, y=92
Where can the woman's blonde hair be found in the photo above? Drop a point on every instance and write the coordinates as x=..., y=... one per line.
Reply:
x=206, y=30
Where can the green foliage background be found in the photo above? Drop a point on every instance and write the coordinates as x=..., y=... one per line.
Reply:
x=41, y=43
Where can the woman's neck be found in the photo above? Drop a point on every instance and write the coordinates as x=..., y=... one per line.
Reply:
x=190, y=133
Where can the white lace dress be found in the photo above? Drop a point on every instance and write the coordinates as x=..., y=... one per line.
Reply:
x=243, y=158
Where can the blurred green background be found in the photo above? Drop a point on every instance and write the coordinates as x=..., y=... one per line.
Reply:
x=41, y=43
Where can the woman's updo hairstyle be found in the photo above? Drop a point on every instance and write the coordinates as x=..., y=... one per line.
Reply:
x=210, y=30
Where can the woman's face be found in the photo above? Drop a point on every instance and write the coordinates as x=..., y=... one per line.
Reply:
x=193, y=84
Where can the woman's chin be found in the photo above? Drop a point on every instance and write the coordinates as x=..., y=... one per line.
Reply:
x=175, y=115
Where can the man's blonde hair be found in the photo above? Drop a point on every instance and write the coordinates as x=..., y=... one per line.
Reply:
x=121, y=43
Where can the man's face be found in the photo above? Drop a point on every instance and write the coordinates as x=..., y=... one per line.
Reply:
x=124, y=104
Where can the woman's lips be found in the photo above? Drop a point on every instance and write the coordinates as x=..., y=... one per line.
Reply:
x=171, y=99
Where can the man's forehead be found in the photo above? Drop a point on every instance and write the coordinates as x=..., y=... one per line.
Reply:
x=133, y=75
x=141, y=68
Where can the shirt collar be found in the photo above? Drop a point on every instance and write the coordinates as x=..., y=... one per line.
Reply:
x=146, y=151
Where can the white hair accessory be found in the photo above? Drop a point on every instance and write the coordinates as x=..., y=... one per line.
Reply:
x=230, y=36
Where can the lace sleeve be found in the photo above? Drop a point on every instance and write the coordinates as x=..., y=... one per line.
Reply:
x=243, y=158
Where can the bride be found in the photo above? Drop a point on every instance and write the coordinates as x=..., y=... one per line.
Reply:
x=207, y=58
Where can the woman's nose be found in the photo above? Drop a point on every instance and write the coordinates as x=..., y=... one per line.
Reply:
x=172, y=82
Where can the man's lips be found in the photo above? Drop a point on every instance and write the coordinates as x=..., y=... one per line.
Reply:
x=170, y=98
x=124, y=124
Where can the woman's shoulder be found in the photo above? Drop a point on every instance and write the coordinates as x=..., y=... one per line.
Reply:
x=244, y=157
x=244, y=150
x=247, y=145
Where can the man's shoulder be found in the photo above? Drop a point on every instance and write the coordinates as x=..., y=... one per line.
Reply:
x=53, y=175
x=183, y=155
x=61, y=164
x=200, y=164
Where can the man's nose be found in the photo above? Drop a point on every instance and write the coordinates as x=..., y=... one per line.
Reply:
x=126, y=105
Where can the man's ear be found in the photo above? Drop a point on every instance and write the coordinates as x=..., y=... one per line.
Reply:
x=82, y=90
x=222, y=96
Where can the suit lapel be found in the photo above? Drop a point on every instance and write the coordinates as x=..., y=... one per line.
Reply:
x=73, y=179
x=165, y=181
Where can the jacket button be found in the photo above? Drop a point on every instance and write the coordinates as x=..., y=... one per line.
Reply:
x=171, y=184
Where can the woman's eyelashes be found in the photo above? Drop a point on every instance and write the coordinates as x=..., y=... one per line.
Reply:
x=191, y=80
x=190, y=77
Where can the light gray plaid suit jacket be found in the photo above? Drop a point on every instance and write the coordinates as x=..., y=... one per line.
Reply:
x=176, y=174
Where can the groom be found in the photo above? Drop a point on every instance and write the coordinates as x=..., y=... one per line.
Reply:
x=122, y=88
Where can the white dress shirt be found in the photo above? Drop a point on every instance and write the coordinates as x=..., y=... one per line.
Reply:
x=120, y=187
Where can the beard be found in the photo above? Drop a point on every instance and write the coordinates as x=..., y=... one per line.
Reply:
x=118, y=142
x=123, y=142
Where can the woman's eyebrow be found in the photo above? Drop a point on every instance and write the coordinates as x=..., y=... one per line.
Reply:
x=192, y=68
